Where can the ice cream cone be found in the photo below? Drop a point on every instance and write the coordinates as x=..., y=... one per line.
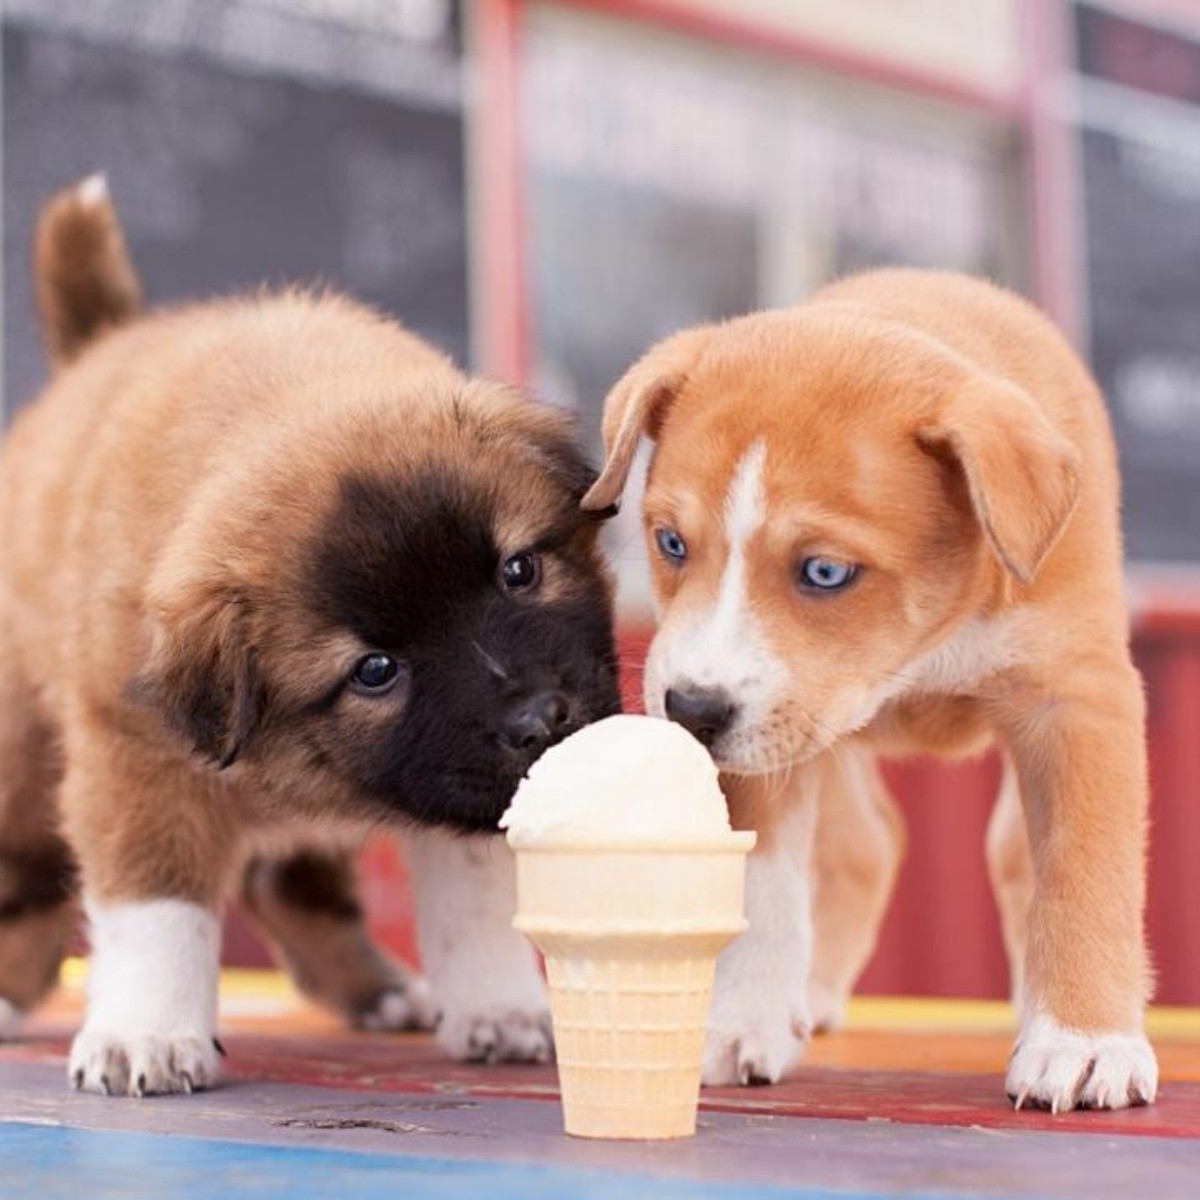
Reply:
x=631, y=932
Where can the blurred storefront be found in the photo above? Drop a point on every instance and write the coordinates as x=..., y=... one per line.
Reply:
x=681, y=162
x=548, y=187
x=245, y=141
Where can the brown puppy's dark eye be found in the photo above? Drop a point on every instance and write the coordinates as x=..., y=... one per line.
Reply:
x=375, y=674
x=522, y=571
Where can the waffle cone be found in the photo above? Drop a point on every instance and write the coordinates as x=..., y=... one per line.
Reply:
x=631, y=934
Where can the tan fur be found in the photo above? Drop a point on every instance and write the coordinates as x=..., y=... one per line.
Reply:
x=1011, y=873
x=938, y=431
x=860, y=842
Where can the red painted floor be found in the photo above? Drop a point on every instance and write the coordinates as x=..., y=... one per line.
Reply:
x=910, y=1062
x=908, y=1101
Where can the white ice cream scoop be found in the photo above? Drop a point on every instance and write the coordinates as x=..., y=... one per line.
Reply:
x=626, y=777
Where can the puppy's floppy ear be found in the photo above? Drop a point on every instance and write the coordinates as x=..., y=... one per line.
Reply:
x=636, y=406
x=554, y=434
x=1022, y=474
x=202, y=674
x=550, y=433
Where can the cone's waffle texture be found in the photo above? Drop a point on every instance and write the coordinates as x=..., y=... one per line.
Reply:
x=631, y=937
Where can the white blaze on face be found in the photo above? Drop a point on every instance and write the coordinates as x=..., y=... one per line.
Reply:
x=745, y=509
x=721, y=645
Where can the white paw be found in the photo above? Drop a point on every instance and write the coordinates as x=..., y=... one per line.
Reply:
x=141, y=1065
x=10, y=1020
x=760, y=1019
x=1061, y=1069
x=499, y=1034
x=754, y=1035
x=750, y=1057
x=408, y=1005
x=152, y=1000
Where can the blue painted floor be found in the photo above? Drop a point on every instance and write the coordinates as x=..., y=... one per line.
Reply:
x=53, y=1162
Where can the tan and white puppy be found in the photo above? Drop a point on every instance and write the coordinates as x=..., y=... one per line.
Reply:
x=884, y=522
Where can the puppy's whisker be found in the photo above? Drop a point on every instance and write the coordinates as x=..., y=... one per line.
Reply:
x=492, y=665
x=825, y=735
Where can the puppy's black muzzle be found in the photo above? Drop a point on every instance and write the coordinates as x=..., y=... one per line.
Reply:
x=536, y=722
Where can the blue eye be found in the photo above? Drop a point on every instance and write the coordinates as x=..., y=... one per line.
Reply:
x=826, y=574
x=673, y=547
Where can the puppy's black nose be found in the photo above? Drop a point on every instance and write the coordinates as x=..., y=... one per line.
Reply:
x=537, y=721
x=705, y=713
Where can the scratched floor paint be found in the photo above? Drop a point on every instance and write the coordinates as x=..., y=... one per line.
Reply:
x=511, y=1147
x=886, y=1110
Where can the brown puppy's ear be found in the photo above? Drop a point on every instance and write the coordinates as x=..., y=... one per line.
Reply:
x=550, y=434
x=636, y=406
x=1022, y=474
x=202, y=674
x=553, y=433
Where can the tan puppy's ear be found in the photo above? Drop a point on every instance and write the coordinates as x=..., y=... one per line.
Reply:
x=202, y=674
x=1022, y=474
x=636, y=406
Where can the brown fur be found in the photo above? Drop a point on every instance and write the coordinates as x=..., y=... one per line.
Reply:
x=161, y=505
x=307, y=906
x=939, y=431
x=85, y=283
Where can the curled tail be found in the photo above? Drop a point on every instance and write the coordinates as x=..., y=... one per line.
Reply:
x=85, y=281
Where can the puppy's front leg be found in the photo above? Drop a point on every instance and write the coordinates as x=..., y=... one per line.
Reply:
x=152, y=999
x=760, y=1013
x=153, y=845
x=1081, y=760
x=484, y=975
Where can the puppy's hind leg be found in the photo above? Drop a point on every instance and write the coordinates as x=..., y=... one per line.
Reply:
x=1010, y=869
x=37, y=917
x=484, y=974
x=37, y=878
x=307, y=904
x=860, y=843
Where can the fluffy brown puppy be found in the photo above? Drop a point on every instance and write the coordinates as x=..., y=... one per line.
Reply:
x=887, y=522
x=273, y=573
